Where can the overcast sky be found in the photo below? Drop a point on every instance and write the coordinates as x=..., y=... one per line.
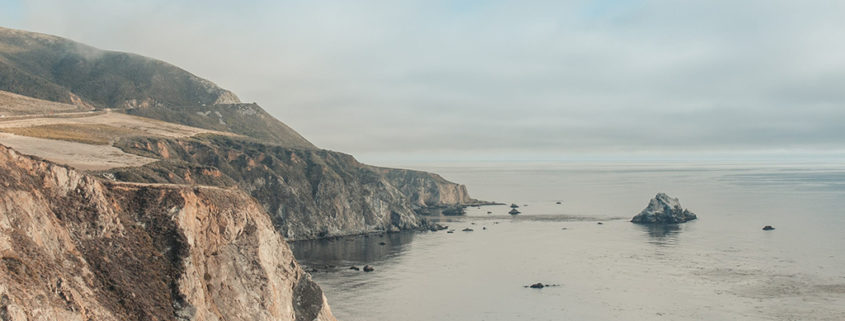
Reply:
x=501, y=79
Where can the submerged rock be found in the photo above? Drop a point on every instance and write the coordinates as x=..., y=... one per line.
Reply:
x=514, y=205
x=514, y=212
x=467, y=229
x=768, y=228
x=354, y=268
x=368, y=268
x=536, y=286
x=663, y=209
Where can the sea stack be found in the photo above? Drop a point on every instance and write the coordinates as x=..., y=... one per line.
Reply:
x=663, y=209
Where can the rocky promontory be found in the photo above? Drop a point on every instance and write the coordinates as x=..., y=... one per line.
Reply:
x=663, y=209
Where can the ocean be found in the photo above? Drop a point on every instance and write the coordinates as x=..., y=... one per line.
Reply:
x=722, y=266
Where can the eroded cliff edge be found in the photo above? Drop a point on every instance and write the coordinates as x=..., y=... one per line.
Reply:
x=74, y=247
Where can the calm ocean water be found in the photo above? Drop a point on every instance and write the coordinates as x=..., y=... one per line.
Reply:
x=720, y=267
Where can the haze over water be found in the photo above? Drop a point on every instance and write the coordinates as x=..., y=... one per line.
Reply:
x=720, y=267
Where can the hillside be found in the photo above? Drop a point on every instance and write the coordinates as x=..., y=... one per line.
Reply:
x=63, y=71
x=129, y=118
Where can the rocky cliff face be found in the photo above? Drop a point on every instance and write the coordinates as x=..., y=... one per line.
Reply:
x=308, y=193
x=73, y=247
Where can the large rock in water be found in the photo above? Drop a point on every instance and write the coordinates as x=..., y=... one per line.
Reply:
x=663, y=209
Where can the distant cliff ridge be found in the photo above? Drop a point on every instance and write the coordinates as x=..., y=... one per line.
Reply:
x=73, y=247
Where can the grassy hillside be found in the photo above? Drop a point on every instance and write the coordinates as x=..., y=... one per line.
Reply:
x=60, y=70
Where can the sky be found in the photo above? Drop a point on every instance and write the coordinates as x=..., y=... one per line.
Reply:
x=499, y=80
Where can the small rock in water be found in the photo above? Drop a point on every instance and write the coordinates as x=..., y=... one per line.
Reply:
x=563, y=228
x=599, y=223
x=488, y=212
x=382, y=243
x=558, y=202
x=368, y=268
x=354, y=268
x=514, y=205
x=768, y=228
x=536, y=286
x=450, y=231
x=467, y=229
x=483, y=227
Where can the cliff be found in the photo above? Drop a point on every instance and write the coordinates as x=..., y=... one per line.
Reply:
x=308, y=193
x=73, y=247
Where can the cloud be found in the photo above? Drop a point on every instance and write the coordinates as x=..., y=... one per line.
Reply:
x=502, y=76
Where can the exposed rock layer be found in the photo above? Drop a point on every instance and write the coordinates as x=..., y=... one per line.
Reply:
x=73, y=247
